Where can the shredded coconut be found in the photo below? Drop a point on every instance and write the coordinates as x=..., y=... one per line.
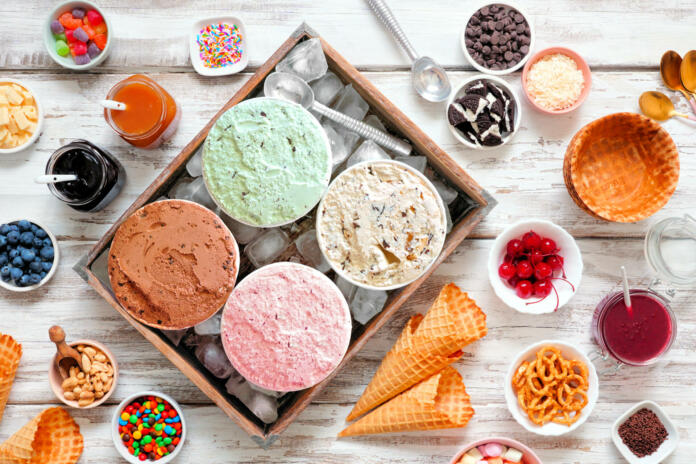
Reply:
x=555, y=82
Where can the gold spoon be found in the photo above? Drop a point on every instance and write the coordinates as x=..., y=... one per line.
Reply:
x=670, y=69
x=687, y=71
x=658, y=106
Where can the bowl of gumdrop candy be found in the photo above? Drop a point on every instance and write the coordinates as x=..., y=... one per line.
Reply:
x=77, y=35
x=28, y=255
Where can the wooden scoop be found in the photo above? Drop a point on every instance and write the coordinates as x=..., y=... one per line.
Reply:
x=67, y=356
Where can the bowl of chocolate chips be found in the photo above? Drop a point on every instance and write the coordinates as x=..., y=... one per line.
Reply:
x=498, y=38
x=483, y=112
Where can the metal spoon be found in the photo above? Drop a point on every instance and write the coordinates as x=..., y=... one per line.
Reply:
x=428, y=78
x=292, y=88
x=670, y=69
x=658, y=106
x=687, y=72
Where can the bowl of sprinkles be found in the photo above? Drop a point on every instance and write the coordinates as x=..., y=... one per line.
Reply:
x=218, y=46
x=556, y=80
x=148, y=426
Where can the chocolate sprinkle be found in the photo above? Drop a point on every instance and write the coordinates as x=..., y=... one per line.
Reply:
x=643, y=433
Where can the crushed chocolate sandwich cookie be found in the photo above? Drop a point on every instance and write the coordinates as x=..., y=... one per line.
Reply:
x=643, y=433
x=485, y=114
x=497, y=37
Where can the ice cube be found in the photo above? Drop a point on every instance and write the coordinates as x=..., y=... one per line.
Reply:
x=181, y=188
x=210, y=326
x=194, y=166
x=416, y=162
x=266, y=247
x=263, y=406
x=307, y=60
x=447, y=193
x=350, y=138
x=367, y=304
x=346, y=288
x=326, y=88
x=308, y=247
x=367, y=151
x=374, y=121
x=243, y=233
x=194, y=191
x=175, y=336
x=350, y=103
x=211, y=354
x=339, y=151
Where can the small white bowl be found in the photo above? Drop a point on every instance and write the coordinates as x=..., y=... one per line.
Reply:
x=50, y=42
x=123, y=451
x=39, y=121
x=478, y=67
x=551, y=429
x=337, y=269
x=194, y=49
x=49, y=274
x=459, y=92
x=572, y=264
x=667, y=447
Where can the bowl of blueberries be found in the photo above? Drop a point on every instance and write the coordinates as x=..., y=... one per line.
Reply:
x=28, y=255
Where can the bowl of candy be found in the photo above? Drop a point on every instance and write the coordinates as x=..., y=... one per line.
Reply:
x=28, y=255
x=496, y=450
x=77, y=35
x=535, y=266
x=148, y=426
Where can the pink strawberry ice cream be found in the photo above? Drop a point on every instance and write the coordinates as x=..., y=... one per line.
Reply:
x=286, y=327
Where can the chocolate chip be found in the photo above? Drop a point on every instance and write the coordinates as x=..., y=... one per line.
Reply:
x=524, y=49
x=508, y=56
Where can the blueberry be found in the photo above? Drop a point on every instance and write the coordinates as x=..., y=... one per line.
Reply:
x=46, y=266
x=34, y=228
x=24, y=225
x=47, y=252
x=37, y=259
x=28, y=255
x=4, y=259
x=14, y=227
x=34, y=279
x=24, y=280
x=3, y=241
x=13, y=253
x=5, y=229
x=42, y=274
x=5, y=271
x=41, y=233
x=36, y=267
x=18, y=262
x=27, y=238
x=37, y=243
x=16, y=273
x=13, y=237
x=47, y=242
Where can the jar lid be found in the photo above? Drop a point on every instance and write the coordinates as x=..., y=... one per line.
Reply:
x=670, y=249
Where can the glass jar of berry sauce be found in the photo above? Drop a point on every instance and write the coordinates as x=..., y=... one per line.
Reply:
x=100, y=176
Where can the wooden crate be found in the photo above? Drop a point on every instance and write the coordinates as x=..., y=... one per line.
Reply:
x=472, y=204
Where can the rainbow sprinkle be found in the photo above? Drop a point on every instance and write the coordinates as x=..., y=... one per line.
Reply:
x=220, y=45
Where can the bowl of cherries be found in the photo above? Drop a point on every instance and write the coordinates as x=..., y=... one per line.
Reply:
x=535, y=266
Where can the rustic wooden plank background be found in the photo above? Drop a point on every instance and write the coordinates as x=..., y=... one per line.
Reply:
x=622, y=41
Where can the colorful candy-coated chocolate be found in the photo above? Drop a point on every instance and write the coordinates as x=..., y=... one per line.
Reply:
x=142, y=429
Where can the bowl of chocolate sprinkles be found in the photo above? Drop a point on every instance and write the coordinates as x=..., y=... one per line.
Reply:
x=645, y=434
x=483, y=112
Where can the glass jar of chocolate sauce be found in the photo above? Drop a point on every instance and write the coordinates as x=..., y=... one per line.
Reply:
x=99, y=175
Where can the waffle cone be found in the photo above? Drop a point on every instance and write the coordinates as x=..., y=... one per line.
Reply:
x=426, y=345
x=10, y=353
x=52, y=437
x=623, y=167
x=439, y=402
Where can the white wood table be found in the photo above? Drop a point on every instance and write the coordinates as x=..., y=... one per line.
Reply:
x=622, y=41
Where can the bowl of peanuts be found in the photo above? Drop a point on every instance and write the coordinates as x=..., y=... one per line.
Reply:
x=91, y=385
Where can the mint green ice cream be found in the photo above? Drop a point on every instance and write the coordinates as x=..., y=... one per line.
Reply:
x=266, y=162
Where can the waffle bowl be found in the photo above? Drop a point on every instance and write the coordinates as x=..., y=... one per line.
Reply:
x=623, y=167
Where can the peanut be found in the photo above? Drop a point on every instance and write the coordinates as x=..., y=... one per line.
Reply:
x=99, y=395
x=85, y=395
x=100, y=357
x=81, y=375
x=85, y=402
x=80, y=348
x=103, y=377
x=69, y=383
x=86, y=363
x=90, y=351
x=69, y=396
x=107, y=385
x=98, y=386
